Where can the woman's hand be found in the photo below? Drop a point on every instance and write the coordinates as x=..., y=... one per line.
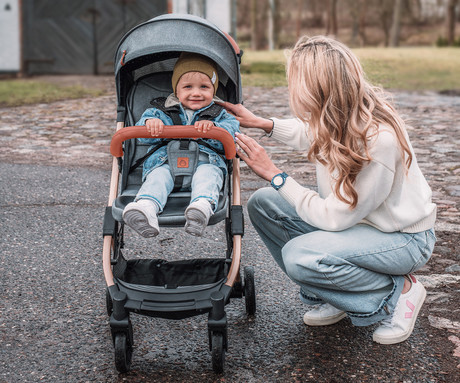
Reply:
x=256, y=157
x=246, y=118
x=154, y=126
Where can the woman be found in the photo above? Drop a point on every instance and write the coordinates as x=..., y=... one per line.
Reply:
x=353, y=245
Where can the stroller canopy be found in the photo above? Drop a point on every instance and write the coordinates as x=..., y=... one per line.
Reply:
x=154, y=46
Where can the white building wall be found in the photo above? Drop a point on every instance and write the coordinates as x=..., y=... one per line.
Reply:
x=217, y=12
x=10, y=45
x=433, y=9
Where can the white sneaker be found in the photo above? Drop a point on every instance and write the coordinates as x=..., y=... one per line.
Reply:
x=323, y=315
x=400, y=325
x=141, y=216
x=197, y=217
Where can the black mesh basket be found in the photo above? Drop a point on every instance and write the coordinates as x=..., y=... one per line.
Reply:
x=159, y=272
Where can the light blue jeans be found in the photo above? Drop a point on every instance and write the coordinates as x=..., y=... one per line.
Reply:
x=159, y=183
x=359, y=270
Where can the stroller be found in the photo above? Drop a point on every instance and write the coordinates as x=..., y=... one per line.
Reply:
x=144, y=62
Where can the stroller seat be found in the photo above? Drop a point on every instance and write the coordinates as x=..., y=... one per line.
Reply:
x=143, y=91
x=173, y=213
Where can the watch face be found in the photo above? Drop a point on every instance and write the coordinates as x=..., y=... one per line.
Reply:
x=278, y=180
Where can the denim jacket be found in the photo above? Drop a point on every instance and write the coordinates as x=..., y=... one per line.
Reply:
x=223, y=120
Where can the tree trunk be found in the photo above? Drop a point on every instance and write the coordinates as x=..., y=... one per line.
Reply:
x=385, y=16
x=396, y=26
x=415, y=10
x=331, y=26
x=277, y=24
x=299, y=19
x=273, y=16
x=354, y=13
x=450, y=21
x=254, y=36
x=362, y=22
x=262, y=11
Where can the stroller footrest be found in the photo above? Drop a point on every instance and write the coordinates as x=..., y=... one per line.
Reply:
x=161, y=306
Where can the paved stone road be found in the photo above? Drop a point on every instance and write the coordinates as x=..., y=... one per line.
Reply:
x=77, y=133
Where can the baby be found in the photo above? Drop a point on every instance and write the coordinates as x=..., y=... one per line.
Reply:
x=194, y=82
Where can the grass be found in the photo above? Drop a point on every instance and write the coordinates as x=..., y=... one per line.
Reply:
x=411, y=69
x=22, y=92
x=263, y=68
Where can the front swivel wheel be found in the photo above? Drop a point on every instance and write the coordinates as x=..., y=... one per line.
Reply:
x=217, y=352
x=123, y=352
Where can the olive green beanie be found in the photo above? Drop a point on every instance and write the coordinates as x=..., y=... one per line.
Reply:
x=192, y=62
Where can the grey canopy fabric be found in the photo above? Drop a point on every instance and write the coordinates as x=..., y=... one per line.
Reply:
x=154, y=46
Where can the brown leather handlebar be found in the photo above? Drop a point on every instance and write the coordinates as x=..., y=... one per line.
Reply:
x=172, y=131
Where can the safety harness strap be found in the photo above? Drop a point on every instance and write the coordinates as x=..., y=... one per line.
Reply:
x=172, y=111
x=185, y=148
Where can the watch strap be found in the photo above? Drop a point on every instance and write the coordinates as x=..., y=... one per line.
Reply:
x=276, y=186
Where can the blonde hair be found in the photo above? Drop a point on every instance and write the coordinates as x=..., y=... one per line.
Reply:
x=328, y=89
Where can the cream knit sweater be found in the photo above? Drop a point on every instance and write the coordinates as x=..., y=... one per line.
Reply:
x=388, y=198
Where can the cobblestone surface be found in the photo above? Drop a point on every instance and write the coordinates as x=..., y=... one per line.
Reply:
x=77, y=133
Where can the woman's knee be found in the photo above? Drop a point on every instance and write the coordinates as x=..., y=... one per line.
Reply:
x=260, y=201
x=301, y=262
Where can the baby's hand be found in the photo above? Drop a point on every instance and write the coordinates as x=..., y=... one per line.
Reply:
x=154, y=126
x=204, y=125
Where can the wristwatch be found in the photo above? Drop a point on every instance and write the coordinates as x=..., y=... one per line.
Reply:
x=279, y=180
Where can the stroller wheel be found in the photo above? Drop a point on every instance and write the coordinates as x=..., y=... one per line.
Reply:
x=217, y=352
x=123, y=352
x=249, y=290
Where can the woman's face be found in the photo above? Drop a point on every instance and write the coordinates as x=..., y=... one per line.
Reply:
x=195, y=90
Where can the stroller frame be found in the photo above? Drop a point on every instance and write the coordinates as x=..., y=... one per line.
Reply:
x=205, y=294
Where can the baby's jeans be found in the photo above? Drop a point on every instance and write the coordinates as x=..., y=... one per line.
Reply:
x=359, y=270
x=159, y=183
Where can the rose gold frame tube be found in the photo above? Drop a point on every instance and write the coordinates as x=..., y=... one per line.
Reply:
x=234, y=273
x=108, y=240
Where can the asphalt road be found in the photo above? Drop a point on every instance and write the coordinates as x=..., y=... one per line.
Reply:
x=54, y=177
x=53, y=322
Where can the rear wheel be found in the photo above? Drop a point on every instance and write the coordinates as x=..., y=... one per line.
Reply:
x=249, y=290
x=217, y=352
x=123, y=352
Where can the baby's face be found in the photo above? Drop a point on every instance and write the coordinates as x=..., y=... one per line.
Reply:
x=195, y=90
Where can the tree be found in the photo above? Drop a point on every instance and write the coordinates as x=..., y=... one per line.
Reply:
x=396, y=26
x=415, y=11
x=450, y=21
x=298, y=19
x=385, y=13
x=362, y=22
x=258, y=23
x=277, y=24
x=254, y=36
x=273, y=24
x=331, y=26
x=358, y=10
